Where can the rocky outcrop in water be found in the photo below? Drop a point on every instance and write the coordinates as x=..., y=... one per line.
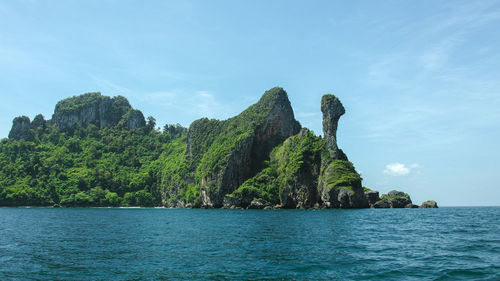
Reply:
x=21, y=129
x=394, y=199
x=429, y=204
x=372, y=197
x=411, y=206
x=339, y=183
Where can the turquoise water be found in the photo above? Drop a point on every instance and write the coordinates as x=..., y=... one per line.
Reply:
x=192, y=244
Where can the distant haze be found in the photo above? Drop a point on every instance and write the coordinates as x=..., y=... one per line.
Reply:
x=418, y=79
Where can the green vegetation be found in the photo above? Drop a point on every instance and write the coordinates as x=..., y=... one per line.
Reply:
x=213, y=141
x=87, y=166
x=290, y=162
x=341, y=173
x=264, y=186
x=394, y=194
x=99, y=151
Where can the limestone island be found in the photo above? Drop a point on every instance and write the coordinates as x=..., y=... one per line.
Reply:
x=99, y=151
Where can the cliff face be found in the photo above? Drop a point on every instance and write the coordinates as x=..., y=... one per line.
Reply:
x=133, y=119
x=306, y=171
x=339, y=183
x=93, y=108
x=83, y=110
x=332, y=110
x=298, y=162
x=224, y=154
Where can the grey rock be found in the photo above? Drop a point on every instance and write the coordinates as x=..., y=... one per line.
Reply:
x=397, y=199
x=399, y=202
x=384, y=203
x=332, y=109
x=93, y=108
x=256, y=204
x=38, y=122
x=411, y=206
x=230, y=201
x=246, y=159
x=21, y=129
x=343, y=194
x=302, y=190
x=395, y=193
x=372, y=197
x=429, y=204
x=133, y=119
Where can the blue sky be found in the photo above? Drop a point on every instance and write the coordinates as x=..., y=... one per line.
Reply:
x=419, y=79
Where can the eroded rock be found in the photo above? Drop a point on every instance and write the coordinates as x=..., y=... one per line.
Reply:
x=332, y=110
x=372, y=197
x=21, y=129
x=429, y=204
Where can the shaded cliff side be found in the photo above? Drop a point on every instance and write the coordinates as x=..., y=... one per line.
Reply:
x=223, y=154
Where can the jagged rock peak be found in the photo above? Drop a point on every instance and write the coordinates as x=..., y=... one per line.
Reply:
x=226, y=153
x=94, y=108
x=20, y=128
x=274, y=95
x=332, y=109
x=38, y=122
x=133, y=119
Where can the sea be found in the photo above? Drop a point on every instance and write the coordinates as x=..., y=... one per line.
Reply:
x=449, y=243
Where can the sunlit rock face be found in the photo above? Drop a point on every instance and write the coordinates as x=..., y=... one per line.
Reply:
x=96, y=109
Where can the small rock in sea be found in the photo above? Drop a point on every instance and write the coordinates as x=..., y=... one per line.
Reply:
x=384, y=203
x=411, y=206
x=256, y=204
x=429, y=204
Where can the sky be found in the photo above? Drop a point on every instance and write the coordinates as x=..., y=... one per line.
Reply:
x=419, y=79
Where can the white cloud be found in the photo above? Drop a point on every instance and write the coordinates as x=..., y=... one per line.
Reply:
x=398, y=169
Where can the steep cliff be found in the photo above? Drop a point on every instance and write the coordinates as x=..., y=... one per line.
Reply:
x=332, y=110
x=223, y=154
x=289, y=179
x=94, y=108
x=306, y=171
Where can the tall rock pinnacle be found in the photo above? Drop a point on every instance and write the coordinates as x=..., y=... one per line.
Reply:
x=332, y=109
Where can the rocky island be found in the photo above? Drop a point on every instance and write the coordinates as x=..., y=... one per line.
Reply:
x=99, y=151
